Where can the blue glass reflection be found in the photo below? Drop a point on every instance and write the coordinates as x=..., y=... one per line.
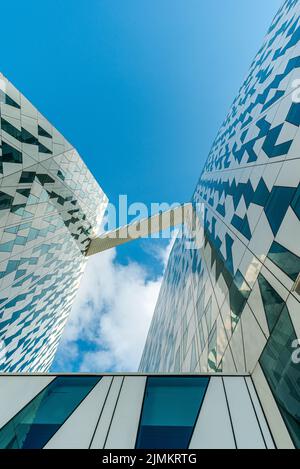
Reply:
x=36, y=423
x=170, y=410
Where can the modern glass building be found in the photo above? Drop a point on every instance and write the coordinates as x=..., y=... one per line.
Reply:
x=228, y=313
x=232, y=304
x=50, y=207
x=131, y=411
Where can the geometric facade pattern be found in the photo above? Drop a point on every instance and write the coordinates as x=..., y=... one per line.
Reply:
x=50, y=207
x=232, y=305
x=131, y=411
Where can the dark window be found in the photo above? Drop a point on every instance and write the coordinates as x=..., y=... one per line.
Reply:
x=43, y=149
x=294, y=114
x=170, y=409
x=22, y=135
x=45, y=178
x=24, y=192
x=280, y=199
x=285, y=260
x=10, y=129
x=61, y=175
x=10, y=154
x=296, y=203
x=43, y=133
x=36, y=423
x=282, y=374
x=272, y=301
x=6, y=201
x=27, y=177
x=27, y=137
x=238, y=295
x=4, y=98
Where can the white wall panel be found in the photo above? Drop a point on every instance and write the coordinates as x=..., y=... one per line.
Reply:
x=259, y=413
x=244, y=421
x=78, y=430
x=272, y=413
x=124, y=427
x=213, y=428
x=17, y=391
x=107, y=413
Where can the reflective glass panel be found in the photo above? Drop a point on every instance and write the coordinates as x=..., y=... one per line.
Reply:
x=170, y=409
x=37, y=422
x=283, y=373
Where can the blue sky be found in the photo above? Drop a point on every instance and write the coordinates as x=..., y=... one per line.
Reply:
x=140, y=87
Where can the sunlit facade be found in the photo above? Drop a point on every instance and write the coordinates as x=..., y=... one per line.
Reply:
x=233, y=303
x=50, y=206
x=131, y=411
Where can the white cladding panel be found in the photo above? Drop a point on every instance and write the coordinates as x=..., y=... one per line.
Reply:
x=245, y=425
x=260, y=415
x=104, y=423
x=124, y=427
x=213, y=428
x=78, y=430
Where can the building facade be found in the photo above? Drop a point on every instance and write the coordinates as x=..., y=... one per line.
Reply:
x=50, y=207
x=131, y=411
x=232, y=304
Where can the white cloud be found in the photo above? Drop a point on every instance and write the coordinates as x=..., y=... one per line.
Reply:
x=108, y=325
x=155, y=249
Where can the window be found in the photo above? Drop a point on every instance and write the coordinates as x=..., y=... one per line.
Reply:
x=280, y=199
x=285, y=260
x=28, y=138
x=6, y=201
x=10, y=129
x=10, y=154
x=43, y=149
x=43, y=133
x=170, y=409
x=296, y=203
x=272, y=301
x=4, y=98
x=36, y=423
x=282, y=374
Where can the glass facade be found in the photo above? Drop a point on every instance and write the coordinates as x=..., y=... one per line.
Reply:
x=282, y=374
x=170, y=409
x=131, y=411
x=50, y=208
x=224, y=299
x=34, y=425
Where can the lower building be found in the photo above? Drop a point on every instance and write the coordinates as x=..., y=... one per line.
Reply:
x=132, y=411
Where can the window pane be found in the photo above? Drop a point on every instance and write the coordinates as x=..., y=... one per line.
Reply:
x=43, y=133
x=285, y=260
x=10, y=154
x=273, y=303
x=169, y=413
x=36, y=423
x=282, y=374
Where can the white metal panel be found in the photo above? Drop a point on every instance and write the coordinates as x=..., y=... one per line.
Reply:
x=245, y=425
x=78, y=430
x=107, y=413
x=124, y=427
x=213, y=429
x=17, y=391
x=260, y=415
x=272, y=413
